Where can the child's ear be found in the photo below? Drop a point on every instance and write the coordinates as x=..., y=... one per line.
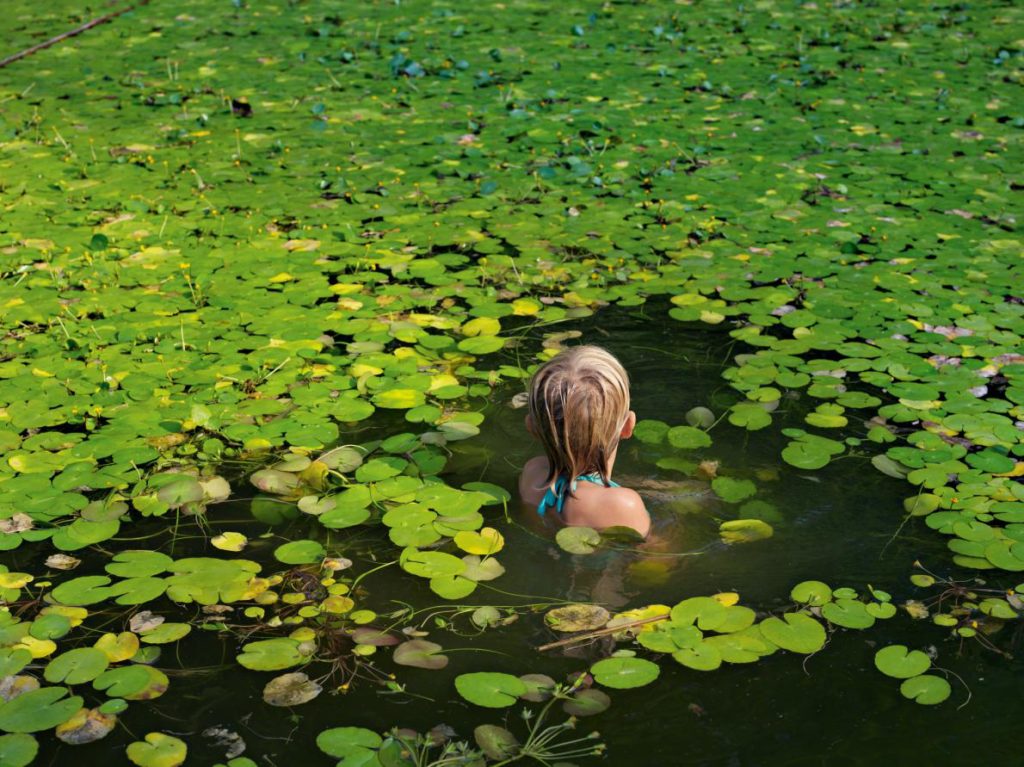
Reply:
x=529, y=425
x=628, y=426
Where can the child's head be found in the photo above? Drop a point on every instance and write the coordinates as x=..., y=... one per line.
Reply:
x=579, y=409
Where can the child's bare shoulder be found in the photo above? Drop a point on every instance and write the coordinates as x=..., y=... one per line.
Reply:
x=615, y=506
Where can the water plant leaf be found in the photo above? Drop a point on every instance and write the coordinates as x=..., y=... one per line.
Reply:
x=496, y=742
x=157, y=750
x=138, y=563
x=744, y=531
x=302, y=552
x=483, y=543
x=625, y=673
x=229, y=541
x=899, y=662
x=18, y=749
x=490, y=689
x=421, y=654
x=848, y=613
x=578, y=540
x=38, y=710
x=135, y=682
x=76, y=666
x=708, y=613
x=539, y=687
x=431, y=564
x=272, y=654
x=86, y=726
x=927, y=689
x=482, y=569
x=733, y=490
x=587, y=702
x=688, y=437
x=291, y=689
x=497, y=494
x=813, y=593
x=650, y=431
x=577, y=617
x=165, y=633
x=452, y=586
x=355, y=746
x=795, y=632
x=86, y=590
x=700, y=657
x=700, y=417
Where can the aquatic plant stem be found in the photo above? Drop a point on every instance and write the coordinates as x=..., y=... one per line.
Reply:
x=602, y=632
x=70, y=33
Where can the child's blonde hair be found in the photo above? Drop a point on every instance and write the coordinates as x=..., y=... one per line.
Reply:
x=579, y=402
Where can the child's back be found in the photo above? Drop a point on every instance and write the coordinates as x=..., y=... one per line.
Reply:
x=579, y=410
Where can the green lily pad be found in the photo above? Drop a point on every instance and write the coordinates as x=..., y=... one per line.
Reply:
x=688, y=437
x=496, y=742
x=625, y=673
x=357, y=744
x=491, y=689
x=18, y=750
x=927, y=689
x=588, y=702
x=272, y=654
x=797, y=633
x=302, y=552
x=578, y=540
x=814, y=593
x=38, y=710
x=157, y=750
x=848, y=613
x=899, y=662
x=733, y=490
x=76, y=666
x=744, y=531
x=700, y=657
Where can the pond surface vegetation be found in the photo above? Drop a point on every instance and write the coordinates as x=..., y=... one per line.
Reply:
x=273, y=276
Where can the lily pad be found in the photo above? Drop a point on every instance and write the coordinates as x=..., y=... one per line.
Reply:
x=421, y=654
x=795, y=632
x=157, y=750
x=578, y=540
x=292, y=689
x=491, y=689
x=577, y=617
x=625, y=673
x=18, y=750
x=496, y=742
x=302, y=552
x=927, y=689
x=896, y=661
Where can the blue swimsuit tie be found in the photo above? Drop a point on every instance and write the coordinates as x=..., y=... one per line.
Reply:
x=555, y=496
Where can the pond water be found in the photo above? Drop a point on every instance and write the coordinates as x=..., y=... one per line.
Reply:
x=840, y=525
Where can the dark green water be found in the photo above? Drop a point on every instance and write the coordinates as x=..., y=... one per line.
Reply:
x=838, y=525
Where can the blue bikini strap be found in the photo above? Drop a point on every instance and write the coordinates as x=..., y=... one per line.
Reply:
x=555, y=496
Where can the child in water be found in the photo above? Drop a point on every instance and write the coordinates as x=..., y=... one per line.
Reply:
x=579, y=410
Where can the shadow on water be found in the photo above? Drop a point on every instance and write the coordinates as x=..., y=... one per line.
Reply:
x=840, y=524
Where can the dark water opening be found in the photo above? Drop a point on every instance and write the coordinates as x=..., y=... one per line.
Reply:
x=840, y=524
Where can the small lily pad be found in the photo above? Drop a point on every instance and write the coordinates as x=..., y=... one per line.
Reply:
x=926, y=689
x=797, y=633
x=577, y=617
x=899, y=662
x=421, y=654
x=578, y=540
x=490, y=689
x=158, y=750
x=292, y=689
